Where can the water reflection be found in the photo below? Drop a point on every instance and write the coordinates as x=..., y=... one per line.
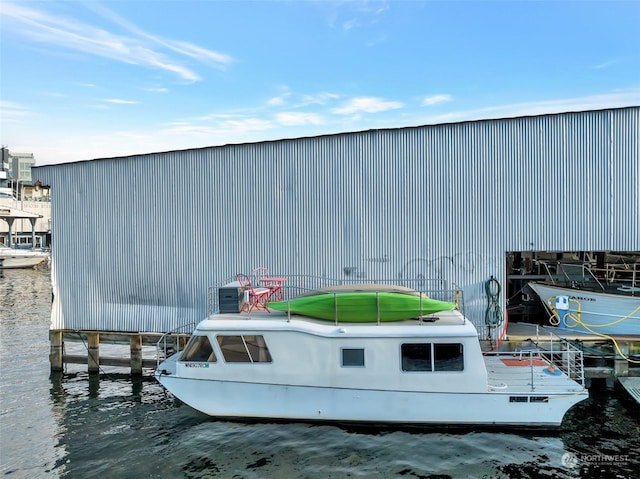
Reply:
x=114, y=418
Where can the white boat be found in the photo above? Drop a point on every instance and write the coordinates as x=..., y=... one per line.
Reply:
x=20, y=258
x=578, y=300
x=425, y=371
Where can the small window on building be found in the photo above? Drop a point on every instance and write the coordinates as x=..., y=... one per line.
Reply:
x=416, y=357
x=198, y=350
x=244, y=349
x=353, y=357
x=448, y=357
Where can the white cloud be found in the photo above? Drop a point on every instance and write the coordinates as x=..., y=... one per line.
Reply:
x=349, y=24
x=367, y=105
x=141, y=49
x=226, y=126
x=281, y=97
x=196, y=52
x=605, y=65
x=435, y=99
x=319, y=98
x=119, y=101
x=354, y=14
x=248, y=124
x=184, y=48
x=216, y=116
x=12, y=112
x=617, y=99
x=297, y=118
x=156, y=89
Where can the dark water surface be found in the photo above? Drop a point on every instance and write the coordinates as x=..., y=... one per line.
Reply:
x=75, y=426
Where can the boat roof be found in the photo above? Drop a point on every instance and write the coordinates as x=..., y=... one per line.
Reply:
x=442, y=324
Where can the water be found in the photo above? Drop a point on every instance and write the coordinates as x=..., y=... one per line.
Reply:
x=112, y=426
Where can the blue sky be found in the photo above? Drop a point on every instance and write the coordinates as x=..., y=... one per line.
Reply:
x=93, y=79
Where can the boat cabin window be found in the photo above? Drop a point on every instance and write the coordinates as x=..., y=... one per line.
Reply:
x=353, y=357
x=448, y=357
x=198, y=349
x=416, y=357
x=432, y=357
x=244, y=349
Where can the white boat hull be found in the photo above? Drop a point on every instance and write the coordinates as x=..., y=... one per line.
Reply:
x=236, y=399
x=590, y=312
x=601, y=313
x=21, y=261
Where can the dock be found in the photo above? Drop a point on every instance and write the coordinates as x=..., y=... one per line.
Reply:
x=135, y=351
x=139, y=351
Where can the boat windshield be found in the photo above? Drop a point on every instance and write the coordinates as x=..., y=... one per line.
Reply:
x=198, y=349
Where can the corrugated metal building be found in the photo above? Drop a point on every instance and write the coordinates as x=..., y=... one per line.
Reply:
x=138, y=240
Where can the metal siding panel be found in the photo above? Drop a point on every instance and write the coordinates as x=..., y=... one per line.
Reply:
x=136, y=245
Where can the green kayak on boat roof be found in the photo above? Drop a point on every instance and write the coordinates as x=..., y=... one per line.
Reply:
x=362, y=306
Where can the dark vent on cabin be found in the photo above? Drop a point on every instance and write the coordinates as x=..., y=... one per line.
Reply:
x=517, y=398
x=539, y=399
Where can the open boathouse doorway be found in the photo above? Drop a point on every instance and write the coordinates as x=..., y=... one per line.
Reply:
x=613, y=270
x=589, y=298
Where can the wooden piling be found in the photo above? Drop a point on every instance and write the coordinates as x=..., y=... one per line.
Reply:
x=135, y=343
x=56, y=351
x=620, y=364
x=93, y=350
x=91, y=340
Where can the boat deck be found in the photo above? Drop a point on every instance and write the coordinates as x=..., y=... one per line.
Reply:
x=513, y=373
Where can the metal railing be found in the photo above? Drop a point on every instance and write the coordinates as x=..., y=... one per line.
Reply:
x=566, y=357
x=622, y=278
x=557, y=352
x=169, y=342
x=300, y=285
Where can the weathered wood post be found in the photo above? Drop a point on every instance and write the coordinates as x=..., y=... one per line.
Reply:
x=620, y=364
x=135, y=343
x=93, y=353
x=56, y=351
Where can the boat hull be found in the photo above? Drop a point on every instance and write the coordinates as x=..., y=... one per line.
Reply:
x=589, y=312
x=360, y=307
x=21, y=261
x=235, y=399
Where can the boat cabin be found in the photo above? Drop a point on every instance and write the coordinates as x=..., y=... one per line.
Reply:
x=442, y=353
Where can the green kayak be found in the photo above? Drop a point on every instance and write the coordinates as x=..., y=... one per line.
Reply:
x=362, y=307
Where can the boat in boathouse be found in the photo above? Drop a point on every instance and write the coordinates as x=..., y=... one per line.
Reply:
x=578, y=300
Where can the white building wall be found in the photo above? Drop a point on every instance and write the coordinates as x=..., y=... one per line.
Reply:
x=137, y=240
